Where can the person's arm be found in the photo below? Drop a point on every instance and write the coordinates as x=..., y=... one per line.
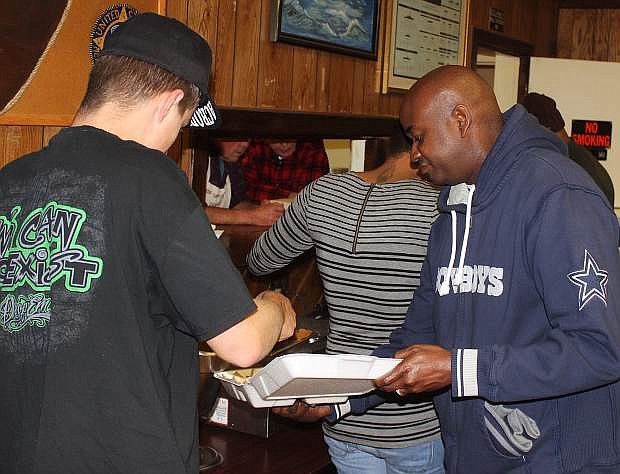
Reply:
x=574, y=263
x=246, y=213
x=573, y=256
x=285, y=240
x=250, y=340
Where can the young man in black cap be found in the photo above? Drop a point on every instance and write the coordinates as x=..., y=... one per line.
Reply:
x=110, y=273
x=544, y=109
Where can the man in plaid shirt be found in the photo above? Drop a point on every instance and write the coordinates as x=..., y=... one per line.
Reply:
x=276, y=170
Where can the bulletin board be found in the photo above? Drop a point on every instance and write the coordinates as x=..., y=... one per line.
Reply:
x=421, y=36
x=45, y=54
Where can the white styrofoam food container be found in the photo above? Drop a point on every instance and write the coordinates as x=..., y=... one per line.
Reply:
x=315, y=378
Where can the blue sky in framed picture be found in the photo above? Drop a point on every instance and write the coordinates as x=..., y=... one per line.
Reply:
x=347, y=23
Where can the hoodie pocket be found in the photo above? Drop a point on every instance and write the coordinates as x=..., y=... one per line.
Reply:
x=510, y=431
x=482, y=442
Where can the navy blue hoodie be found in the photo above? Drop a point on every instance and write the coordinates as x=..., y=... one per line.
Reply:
x=531, y=313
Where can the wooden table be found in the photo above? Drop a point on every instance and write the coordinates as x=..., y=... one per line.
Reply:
x=296, y=450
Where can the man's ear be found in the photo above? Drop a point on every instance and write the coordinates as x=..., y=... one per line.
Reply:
x=462, y=117
x=167, y=102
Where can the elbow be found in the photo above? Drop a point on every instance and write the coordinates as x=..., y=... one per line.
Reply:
x=254, y=267
x=247, y=358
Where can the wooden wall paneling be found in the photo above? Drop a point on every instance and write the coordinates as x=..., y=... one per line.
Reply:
x=341, y=72
x=583, y=41
x=373, y=89
x=522, y=17
x=275, y=67
x=545, y=37
x=247, y=38
x=304, y=80
x=479, y=13
x=275, y=76
x=359, y=86
x=177, y=9
x=600, y=32
x=384, y=104
x=511, y=16
x=224, y=53
x=613, y=53
x=49, y=132
x=565, y=33
x=16, y=141
x=202, y=18
x=323, y=88
x=395, y=101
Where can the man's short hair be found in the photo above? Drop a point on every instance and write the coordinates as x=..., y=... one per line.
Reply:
x=127, y=82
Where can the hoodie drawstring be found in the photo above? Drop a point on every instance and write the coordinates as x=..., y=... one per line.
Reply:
x=458, y=277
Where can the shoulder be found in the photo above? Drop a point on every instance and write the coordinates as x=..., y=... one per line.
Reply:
x=343, y=183
x=550, y=169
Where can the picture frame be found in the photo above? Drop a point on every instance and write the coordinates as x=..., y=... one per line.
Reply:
x=344, y=27
x=422, y=35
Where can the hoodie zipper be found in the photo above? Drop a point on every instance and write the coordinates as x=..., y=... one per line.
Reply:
x=359, y=219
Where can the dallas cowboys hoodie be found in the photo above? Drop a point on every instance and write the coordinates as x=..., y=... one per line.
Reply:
x=522, y=284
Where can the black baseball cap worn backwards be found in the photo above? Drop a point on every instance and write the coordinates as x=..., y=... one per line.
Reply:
x=169, y=44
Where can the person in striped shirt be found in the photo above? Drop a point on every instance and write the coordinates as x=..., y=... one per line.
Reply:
x=369, y=231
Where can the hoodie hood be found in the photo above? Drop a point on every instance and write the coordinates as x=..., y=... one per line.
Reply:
x=521, y=132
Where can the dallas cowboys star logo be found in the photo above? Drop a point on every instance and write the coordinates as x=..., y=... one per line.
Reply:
x=591, y=280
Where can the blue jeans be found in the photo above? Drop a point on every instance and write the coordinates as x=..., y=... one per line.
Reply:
x=350, y=458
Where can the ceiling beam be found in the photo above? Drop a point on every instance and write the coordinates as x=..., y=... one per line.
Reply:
x=255, y=123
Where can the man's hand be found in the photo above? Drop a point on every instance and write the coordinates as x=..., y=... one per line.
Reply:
x=425, y=368
x=290, y=317
x=301, y=411
x=267, y=213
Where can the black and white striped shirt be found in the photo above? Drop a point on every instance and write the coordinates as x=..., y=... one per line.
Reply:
x=370, y=242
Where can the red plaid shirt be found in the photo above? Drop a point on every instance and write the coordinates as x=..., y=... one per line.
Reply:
x=269, y=177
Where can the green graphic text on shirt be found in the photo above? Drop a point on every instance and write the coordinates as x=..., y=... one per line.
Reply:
x=38, y=252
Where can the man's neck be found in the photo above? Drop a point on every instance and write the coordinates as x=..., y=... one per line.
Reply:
x=127, y=125
x=397, y=168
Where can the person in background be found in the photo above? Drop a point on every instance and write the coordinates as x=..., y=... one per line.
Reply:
x=369, y=231
x=515, y=324
x=544, y=109
x=279, y=170
x=110, y=274
x=224, y=199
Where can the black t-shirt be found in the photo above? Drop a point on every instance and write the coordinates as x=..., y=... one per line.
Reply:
x=109, y=273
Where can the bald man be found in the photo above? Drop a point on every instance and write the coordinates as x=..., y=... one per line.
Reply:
x=515, y=325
